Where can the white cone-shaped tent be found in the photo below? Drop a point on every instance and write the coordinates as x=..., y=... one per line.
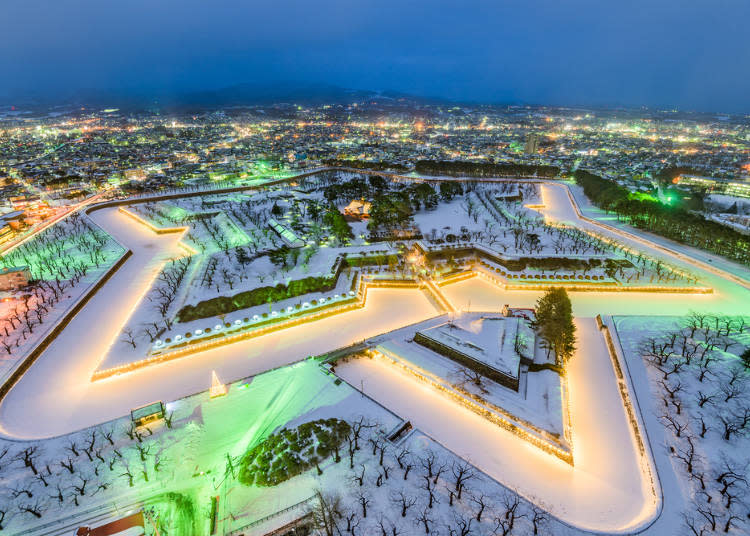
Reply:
x=217, y=388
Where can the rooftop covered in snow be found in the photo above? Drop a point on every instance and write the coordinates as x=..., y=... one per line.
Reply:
x=487, y=344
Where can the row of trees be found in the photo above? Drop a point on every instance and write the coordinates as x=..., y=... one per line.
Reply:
x=257, y=296
x=455, y=168
x=671, y=222
x=366, y=164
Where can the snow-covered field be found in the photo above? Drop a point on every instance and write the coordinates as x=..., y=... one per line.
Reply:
x=538, y=401
x=605, y=489
x=76, y=354
x=692, y=389
x=596, y=493
x=64, y=262
x=235, y=251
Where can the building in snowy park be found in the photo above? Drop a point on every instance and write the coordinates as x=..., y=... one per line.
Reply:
x=130, y=525
x=14, y=278
x=358, y=209
x=147, y=414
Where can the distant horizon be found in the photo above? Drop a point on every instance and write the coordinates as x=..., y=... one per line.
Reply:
x=304, y=93
x=663, y=55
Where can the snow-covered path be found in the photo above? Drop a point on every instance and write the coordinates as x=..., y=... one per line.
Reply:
x=34, y=408
x=56, y=395
x=605, y=490
x=558, y=208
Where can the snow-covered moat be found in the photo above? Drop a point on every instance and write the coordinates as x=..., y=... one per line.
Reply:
x=609, y=488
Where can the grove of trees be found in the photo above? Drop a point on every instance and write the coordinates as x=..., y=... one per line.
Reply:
x=484, y=169
x=671, y=222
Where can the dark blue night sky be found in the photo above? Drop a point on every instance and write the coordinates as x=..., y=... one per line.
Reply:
x=686, y=53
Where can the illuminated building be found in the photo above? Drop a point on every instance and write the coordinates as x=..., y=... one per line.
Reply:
x=14, y=278
x=532, y=143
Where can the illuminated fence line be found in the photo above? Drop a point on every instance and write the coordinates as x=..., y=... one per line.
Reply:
x=511, y=281
x=581, y=286
x=698, y=264
x=29, y=360
x=432, y=289
x=456, y=277
x=392, y=356
x=492, y=413
x=636, y=423
x=481, y=268
x=358, y=302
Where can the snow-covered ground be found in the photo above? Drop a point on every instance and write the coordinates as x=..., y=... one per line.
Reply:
x=32, y=409
x=605, y=489
x=689, y=403
x=537, y=405
x=65, y=262
x=488, y=339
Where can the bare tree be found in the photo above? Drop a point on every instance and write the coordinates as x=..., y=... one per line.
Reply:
x=462, y=525
x=81, y=488
x=731, y=390
x=403, y=501
x=394, y=530
x=429, y=487
x=678, y=427
x=129, y=338
x=325, y=512
x=68, y=465
x=28, y=457
x=462, y=472
x=474, y=378
x=687, y=455
x=481, y=502
x=357, y=427
x=364, y=501
x=360, y=478
x=504, y=524
x=428, y=462
x=695, y=525
x=34, y=509
x=402, y=455
x=424, y=519
x=709, y=514
x=539, y=518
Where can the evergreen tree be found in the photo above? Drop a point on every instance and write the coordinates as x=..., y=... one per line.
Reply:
x=554, y=323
